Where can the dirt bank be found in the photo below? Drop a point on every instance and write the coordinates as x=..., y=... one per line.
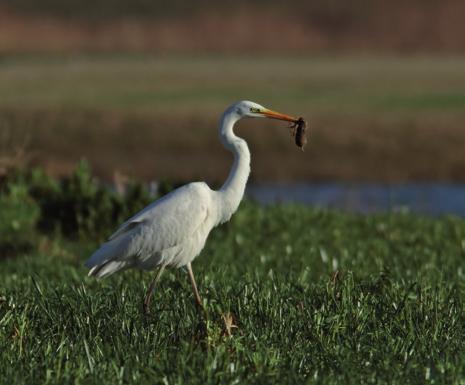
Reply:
x=345, y=148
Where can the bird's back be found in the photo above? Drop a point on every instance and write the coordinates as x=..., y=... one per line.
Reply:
x=172, y=231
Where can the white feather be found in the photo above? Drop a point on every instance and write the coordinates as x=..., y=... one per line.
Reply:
x=161, y=233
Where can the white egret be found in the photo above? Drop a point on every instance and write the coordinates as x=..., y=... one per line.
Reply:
x=172, y=230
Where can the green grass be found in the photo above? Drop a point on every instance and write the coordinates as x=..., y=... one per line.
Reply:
x=206, y=84
x=394, y=312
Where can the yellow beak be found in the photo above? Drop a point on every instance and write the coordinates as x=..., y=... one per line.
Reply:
x=277, y=115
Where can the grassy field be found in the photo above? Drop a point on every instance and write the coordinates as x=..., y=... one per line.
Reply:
x=381, y=118
x=316, y=297
x=205, y=84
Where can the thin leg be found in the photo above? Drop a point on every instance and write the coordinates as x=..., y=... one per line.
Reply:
x=198, y=301
x=150, y=290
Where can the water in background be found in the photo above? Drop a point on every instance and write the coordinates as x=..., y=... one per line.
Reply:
x=423, y=198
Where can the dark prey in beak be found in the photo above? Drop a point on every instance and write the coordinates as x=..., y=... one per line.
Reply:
x=298, y=129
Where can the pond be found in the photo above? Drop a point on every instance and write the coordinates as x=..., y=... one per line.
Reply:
x=422, y=198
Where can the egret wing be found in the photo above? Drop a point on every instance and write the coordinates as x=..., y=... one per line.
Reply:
x=165, y=223
x=172, y=218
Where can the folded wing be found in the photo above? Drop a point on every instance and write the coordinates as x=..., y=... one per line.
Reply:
x=165, y=223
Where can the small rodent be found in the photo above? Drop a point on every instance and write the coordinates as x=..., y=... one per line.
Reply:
x=298, y=131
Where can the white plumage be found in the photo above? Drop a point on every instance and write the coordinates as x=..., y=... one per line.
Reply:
x=172, y=230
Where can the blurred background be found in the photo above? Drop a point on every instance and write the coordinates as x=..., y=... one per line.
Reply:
x=137, y=88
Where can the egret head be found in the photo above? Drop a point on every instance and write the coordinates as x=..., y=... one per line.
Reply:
x=247, y=109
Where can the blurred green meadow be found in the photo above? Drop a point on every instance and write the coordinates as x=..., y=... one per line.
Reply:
x=203, y=85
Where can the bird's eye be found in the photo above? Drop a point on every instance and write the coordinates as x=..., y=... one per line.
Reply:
x=253, y=109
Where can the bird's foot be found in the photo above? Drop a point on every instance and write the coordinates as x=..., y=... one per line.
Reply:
x=145, y=309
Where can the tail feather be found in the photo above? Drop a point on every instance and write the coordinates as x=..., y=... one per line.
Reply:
x=107, y=268
x=108, y=259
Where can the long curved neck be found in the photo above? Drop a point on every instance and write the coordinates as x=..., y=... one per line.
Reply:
x=232, y=191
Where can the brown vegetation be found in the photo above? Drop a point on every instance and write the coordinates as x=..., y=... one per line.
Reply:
x=153, y=147
x=374, y=26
